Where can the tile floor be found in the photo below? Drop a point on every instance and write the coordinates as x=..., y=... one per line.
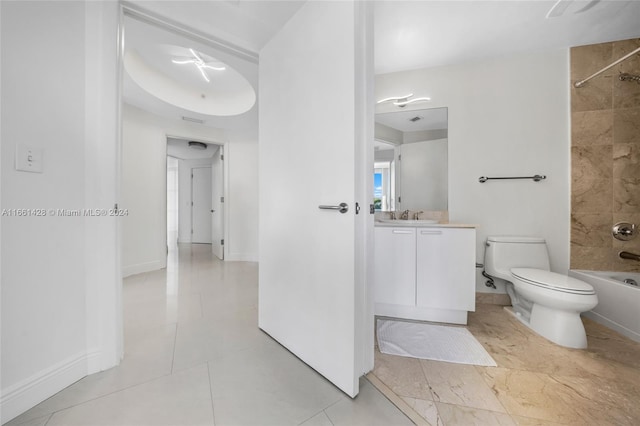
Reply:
x=536, y=382
x=195, y=356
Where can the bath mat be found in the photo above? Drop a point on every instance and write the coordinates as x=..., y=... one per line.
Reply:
x=430, y=341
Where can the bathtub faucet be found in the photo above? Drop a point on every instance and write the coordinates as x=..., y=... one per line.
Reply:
x=627, y=255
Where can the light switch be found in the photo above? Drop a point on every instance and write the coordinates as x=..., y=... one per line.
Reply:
x=28, y=158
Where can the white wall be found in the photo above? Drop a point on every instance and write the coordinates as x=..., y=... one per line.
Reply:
x=241, y=216
x=56, y=326
x=144, y=195
x=507, y=117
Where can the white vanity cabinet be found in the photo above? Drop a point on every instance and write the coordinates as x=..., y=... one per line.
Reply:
x=395, y=260
x=425, y=273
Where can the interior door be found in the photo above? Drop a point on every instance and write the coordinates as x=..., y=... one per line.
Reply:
x=310, y=286
x=201, y=205
x=217, y=204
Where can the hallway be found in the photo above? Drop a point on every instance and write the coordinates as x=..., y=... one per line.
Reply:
x=195, y=356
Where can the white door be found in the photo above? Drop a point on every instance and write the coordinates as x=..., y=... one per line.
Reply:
x=217, y=204
x=201, y=205
x=311, y=290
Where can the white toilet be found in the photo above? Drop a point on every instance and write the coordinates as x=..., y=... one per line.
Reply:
x=548, y=303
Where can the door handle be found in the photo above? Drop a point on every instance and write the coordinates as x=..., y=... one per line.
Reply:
x=430, y=232
x=342, y=207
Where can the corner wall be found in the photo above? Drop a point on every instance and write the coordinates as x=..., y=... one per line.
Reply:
x=507, y=117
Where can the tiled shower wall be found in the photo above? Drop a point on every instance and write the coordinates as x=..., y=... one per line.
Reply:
x=605, y=156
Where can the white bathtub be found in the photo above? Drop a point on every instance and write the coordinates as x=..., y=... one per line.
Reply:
x=618, y=303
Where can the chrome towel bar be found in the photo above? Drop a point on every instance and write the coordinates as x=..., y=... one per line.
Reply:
x=536, y=178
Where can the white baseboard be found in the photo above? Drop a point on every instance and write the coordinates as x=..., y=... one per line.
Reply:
x=20, y=397
x=142, y=267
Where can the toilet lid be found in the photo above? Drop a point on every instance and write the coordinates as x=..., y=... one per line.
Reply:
x=552, y=280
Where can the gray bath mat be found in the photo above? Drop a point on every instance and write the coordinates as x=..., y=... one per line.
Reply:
x=430, y=341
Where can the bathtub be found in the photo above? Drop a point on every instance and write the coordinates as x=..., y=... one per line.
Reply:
x=618, y=303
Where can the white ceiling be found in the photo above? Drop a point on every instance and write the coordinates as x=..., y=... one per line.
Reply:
x=408, y=34
x=430, y=119
x=180, y=148
x=421, y=34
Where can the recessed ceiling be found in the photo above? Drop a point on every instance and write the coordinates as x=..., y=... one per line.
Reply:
x=154, y=83
x=224, y=92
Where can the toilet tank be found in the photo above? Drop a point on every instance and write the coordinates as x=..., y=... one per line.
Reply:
x=506, y=252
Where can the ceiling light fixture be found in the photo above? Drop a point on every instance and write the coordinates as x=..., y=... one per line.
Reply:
x=199, y=63
x=197, y=145
x=402, y=101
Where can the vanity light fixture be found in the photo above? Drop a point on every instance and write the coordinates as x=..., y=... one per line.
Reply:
x=402, y=101
x=199, y=63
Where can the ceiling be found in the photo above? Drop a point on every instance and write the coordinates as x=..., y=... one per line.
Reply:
x=408, y=35
x=404, y=121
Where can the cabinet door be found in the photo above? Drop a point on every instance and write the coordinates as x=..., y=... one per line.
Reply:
x=395, y=266
x=446, y=268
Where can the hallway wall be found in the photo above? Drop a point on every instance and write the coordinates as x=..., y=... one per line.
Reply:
x=59, y=293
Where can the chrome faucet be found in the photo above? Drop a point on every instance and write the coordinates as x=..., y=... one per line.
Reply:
x=405, y=215
x=416, y=215
x=392, y=215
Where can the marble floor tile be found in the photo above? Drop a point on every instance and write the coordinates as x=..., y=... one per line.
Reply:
x=459, y=384
x=427, y=409
x=536, y=382
x=457, y=415
x=369, y=408
x=402, y=375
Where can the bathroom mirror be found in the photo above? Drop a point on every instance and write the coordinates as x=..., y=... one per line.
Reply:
x=411, y=161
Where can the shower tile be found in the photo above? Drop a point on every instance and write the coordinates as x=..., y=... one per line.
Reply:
x=592, y=162
x=624, y=265
x=626, y=161
x=597, y=94
x=626, y=126
x=591, y=258
x=626, y=195
x=591, y=230
x=586, y=60
x=591, y=195
x=622, y=48
x=626, y=94
x=592, y=128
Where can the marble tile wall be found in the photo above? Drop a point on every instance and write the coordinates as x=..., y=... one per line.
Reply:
x=605, y=156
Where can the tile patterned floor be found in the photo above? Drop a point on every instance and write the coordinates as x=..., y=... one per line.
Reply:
x=195, y=356
x=536, y=382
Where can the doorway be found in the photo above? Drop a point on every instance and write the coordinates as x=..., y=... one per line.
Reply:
x=201, y=208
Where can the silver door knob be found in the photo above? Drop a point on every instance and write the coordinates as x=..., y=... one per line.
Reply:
x=342, y=207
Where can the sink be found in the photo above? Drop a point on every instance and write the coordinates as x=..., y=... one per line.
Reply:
x=409, y=222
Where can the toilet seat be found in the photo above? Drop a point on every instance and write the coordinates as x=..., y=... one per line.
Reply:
x=552, y=281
